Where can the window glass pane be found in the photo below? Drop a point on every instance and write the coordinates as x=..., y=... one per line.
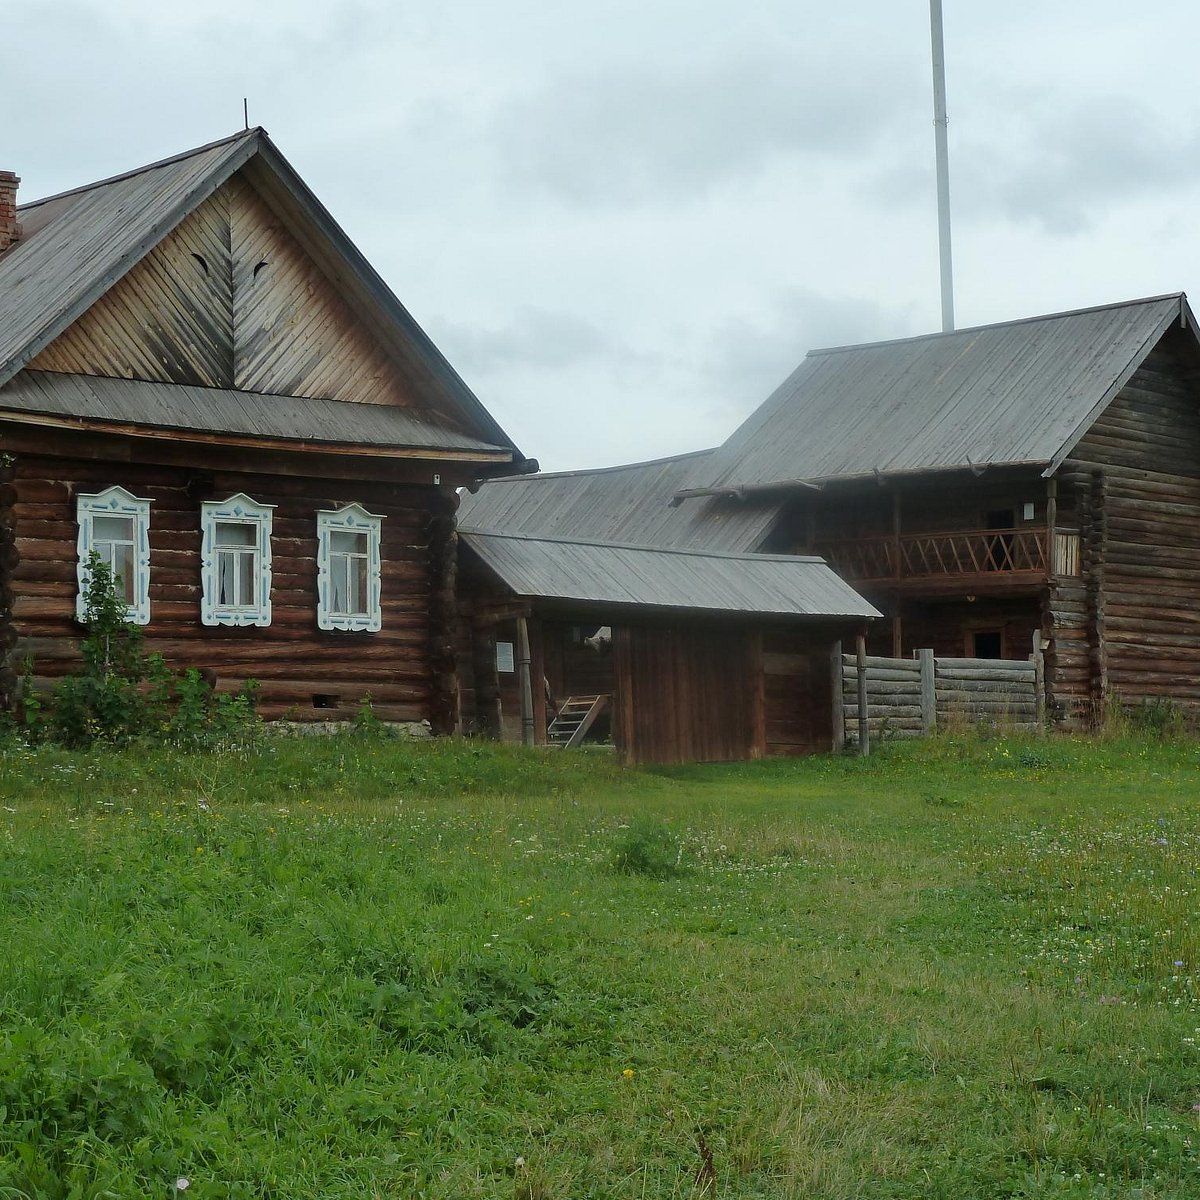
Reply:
x=344, y=542
x=112, y=529
x=247, y=572
x=224, y=579
x=337, y=583
x=236, y=533
x=121, y=561
x=358, y=591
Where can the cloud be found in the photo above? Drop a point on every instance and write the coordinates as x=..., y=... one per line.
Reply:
x=535, y=339
x=635, y=133
x=747, y=359
x=1064, y=170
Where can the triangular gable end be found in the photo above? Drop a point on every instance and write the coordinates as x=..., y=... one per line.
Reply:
x=229, y=299
x=1186, y=320
x=369, y=347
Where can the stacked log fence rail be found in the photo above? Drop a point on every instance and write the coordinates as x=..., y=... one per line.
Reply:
x=912, y=697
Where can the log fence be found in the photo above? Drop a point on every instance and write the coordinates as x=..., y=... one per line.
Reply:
x=914, y=697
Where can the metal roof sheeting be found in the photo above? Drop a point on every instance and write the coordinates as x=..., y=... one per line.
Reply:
x=620, y=504
x=179, y=406
x=1014, y=393
x=665, y=579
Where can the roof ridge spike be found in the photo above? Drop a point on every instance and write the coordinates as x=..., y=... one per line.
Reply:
x=969, y=329
x=255, y=131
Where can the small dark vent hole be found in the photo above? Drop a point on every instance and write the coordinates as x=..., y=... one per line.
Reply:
x=258, y=267
x=200, y=259
x=321, y=700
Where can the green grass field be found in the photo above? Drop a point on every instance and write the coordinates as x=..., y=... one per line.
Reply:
x=355, y=968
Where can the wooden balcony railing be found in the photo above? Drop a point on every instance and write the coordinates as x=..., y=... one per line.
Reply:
x=976, y=552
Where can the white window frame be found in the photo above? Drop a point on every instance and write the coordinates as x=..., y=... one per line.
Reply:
x=239, y=509
x=115, y=502
x=352, y=518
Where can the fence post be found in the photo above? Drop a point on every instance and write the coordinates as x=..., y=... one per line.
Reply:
x=864, y=728
x=1039, y=681
x=838, y=702
x=525, y=683
x=928, y=692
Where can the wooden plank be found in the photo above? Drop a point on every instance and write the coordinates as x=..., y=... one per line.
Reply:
x=928, y=693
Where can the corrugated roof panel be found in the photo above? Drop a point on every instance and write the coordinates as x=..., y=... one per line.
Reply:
x=620, y=504
x=999, y=394
x=666, y=579
x=224, y=411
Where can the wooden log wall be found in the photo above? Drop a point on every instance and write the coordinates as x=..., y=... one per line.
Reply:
x=443, y=611
x=947, y=628
x=965, y=691
x=303, y=673
x=1132, y=633
x=10, y=560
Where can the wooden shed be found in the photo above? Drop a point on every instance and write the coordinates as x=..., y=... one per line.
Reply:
x=204, y=382
x=711, y=656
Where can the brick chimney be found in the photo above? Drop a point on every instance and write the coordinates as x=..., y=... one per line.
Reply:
x=10, y=231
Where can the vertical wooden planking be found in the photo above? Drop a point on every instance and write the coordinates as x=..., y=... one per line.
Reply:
x=837, y=703
x=864, y=724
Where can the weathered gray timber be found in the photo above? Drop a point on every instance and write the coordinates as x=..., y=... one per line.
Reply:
x=909, y=697
x=1017, y=393
x=630, y=503
x=656, y=579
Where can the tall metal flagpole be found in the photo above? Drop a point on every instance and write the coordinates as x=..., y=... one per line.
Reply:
x=943, y=164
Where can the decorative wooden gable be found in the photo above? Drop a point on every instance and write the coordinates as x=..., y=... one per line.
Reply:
x=229, y=299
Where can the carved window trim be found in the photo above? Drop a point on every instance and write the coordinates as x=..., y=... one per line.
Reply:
x=115, y=501
x=334, y=566
x=241, y=510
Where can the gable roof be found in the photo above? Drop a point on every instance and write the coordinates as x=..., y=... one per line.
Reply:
x=665, y=580
x=1021, y=392
x=630, y=503
x=76, y=245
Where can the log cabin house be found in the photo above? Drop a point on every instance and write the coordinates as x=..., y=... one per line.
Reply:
x=203, y=381
x=978, y=487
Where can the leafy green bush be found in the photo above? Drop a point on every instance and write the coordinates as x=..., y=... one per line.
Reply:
x=122, y=693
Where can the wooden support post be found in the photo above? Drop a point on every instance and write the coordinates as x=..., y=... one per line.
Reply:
x=524, y=682
x=896, y=569
x=1039, y=681
x=897, y=632
x=928, y=692
x=1051, y=521
x=839, y=704
x=864, y=728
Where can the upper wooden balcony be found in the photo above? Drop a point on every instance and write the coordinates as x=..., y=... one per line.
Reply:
x=977, y=560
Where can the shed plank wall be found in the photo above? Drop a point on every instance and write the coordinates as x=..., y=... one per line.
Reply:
x=797, y=692
x=291, y=659
x=684, y=695
x=1132, y=631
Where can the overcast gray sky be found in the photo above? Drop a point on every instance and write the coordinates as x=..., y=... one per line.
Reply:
x=624, y=223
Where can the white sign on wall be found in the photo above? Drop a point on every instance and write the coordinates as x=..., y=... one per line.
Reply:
x=504, y=657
